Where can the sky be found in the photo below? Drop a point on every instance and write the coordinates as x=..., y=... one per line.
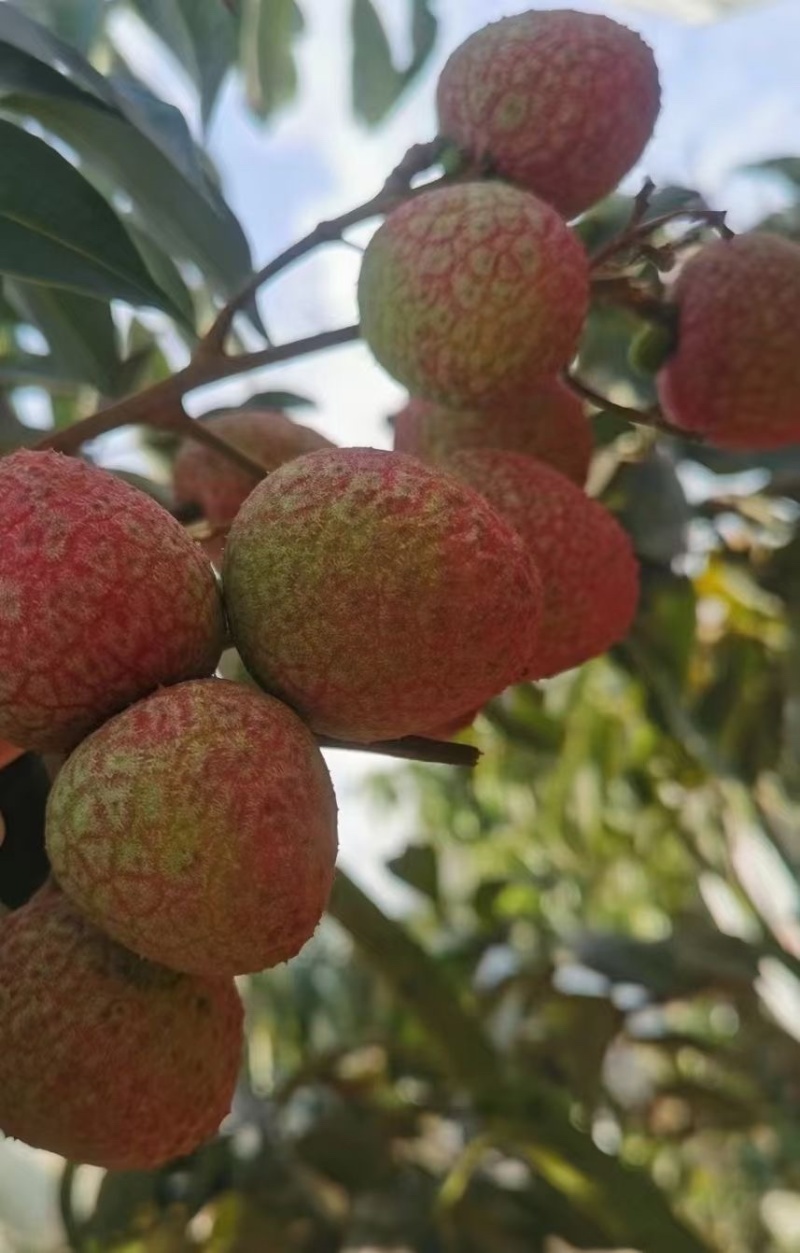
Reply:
x=731, y=96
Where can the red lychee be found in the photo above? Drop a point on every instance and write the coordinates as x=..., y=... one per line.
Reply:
x=589, y=574
x=559, y=102
x=473, y=294
x=216, y=485
x=105, y=1058
x=378, y=595
x=102, y=598
x=198, y=828
x=735, y=376
x=549, y=424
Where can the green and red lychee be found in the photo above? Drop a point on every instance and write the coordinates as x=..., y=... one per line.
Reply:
x=105, y=1058
x=734, y=378
x=198, y=828
x=377, y=595
x=590, y=577
x=103, y=597
x=472, y=294
x=560, y=103
x=216, y=485
x=550, y=424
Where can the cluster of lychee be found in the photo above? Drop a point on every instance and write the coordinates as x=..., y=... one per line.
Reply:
x=371, y=595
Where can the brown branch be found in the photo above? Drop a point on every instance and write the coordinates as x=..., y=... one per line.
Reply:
x=641, y=417
x=396, y=189
x=637, y=232
x=412, y=748
x=159, y=406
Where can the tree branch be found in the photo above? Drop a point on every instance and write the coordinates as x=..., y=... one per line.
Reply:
x=637, y=231
x=396, y=189
x=159, y=406
x=642, y=417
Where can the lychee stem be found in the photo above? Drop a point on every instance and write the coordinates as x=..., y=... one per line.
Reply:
x=641, y=417
x=637, y=232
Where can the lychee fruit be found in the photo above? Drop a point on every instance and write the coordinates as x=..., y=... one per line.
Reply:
x=102, y=598
x=198, y=828
x=734, y=378
x=559, y=102
x=9, y=753
x=105, y=1058
x=378, y=595
x=549, y=423
x=589, y=574
x=216, y=485
x=471, y=294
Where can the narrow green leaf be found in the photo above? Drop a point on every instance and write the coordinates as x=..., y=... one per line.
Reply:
x=165, y=274
x=183, y=223
x=79, y=331
x=269, y=29
x=203, y=37
x=424, y=29
x=78, y=22
x=57, y=230
x=125, y=135
x=376, y=82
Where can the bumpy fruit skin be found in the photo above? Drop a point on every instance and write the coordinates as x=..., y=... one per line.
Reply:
x=219, y=487
x=560, y=103
x=590, y=576
x=198, y=828
x=377, y=595
x=735, y=376
x=549, y=424
x=103, y=597
x=474, y=293
x=105, y=1058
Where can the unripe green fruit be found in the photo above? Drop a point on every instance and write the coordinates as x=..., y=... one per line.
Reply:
x=549, y=424
x=734, y=379
x=216, y=485
x=103, y=597
x=590, y=576
x=105, y=1058
x=473, y=294
x=377, y=595
x=198, y=828
x=560, y=103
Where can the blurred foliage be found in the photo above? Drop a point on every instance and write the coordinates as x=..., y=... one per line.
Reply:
x=586, y=1032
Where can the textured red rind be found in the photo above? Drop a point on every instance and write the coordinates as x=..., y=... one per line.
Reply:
x=473, y=294
x=104, y=1058
x=378, y=595
x=8, y=753
x=735, y=377
x=590, y=576
x=198, y=828
x=216, y=485
x=550, y=425
x=103, y=597
x=561, y=103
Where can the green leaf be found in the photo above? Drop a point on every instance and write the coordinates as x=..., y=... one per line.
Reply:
x=76, y=21
x=183, y=223
x=128, y=138
x=418, y=866
x=269, y=29
x=57, y=230
x=376, y=82
x=79, y=330
x=203, y=37
x=33, y=41
x=28, y=370
x=166, y=275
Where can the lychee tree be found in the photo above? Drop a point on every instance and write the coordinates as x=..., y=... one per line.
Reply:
x=580, y=1032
